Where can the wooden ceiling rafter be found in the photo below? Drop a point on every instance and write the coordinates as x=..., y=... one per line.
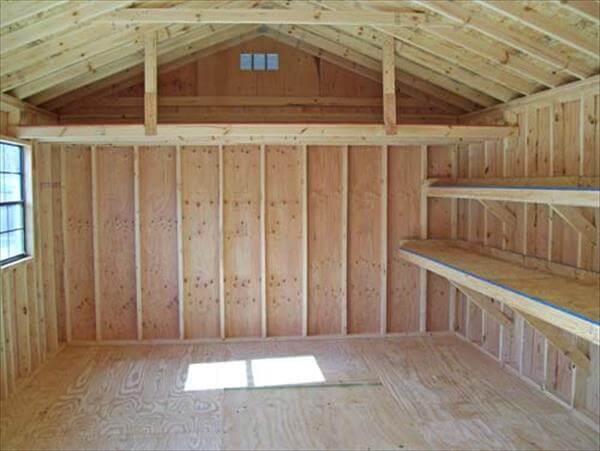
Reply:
x=168, y=61
x=477, y=68
x=539, y=50
x=337, y=53
x=77, y=14
x=529, y=16
x=130, y=66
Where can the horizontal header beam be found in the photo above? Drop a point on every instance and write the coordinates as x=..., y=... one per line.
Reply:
x=264, y=16
x=353, y=134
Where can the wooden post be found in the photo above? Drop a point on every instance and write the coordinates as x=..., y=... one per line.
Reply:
x=344, y=237
x=96, y=246
x=389, y=84
x=384, y=243
x=138, y=245
x=150, y=85
x=424, y=228
x=263, y=245
x=221, y=248
x=180, y=290
x=304, y=240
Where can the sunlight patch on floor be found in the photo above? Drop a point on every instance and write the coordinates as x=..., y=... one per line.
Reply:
x=253, y=373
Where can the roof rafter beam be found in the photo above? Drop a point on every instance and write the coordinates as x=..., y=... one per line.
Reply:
x=265, y=16
x=127, y=68
x=368, y=67
x=513, y=39
x=527, y=15
x=78, y=13
x=480, y=73
x=588, y=9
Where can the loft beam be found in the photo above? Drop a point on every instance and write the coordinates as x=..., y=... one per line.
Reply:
x=271, y=133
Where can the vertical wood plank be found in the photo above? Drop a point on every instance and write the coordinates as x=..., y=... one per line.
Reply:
x=22, y=320
x=150, y=84
x=116, y=234
x=284, y=239
x=242, y=255
x=8, y=284
x=4, y=384
x=79, y=249
x=325, y=265
x=364, y=240
x=403, y=214
x=158, y=234
x=200, y=230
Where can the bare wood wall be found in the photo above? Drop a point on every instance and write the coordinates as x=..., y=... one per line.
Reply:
x=559, y=135
x=214, y=89
x=203, y=242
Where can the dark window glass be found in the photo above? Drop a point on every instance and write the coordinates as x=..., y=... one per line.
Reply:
x=12, y=203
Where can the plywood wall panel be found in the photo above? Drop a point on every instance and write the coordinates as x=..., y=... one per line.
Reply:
x=404, y=205
x=364, y=238
x=591, y=135
x=200, y=235
x=284, y=172
x=116, y=238
x=79, y=258
x=324, y=240
x=241, y=210
x=158, y=217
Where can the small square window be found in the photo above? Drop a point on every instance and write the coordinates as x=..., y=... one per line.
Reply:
x=246, y=61
x=259, y=61
x=272, y=61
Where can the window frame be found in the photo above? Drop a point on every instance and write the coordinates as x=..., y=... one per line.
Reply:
x=26, y=201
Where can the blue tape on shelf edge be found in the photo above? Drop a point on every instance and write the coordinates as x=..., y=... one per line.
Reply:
x=541, y=188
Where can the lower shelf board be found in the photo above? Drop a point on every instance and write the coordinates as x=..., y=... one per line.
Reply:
x=566, y=302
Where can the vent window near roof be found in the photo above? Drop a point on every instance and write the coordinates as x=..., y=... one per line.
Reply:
x=259, y=61
x=272, y=61
x=246, y=61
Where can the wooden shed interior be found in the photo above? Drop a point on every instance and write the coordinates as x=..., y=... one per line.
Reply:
x=301, y=224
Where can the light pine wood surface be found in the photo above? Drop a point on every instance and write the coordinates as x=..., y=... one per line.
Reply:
x=413, y=392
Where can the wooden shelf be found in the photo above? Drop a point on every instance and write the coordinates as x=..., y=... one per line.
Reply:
x=562, y=296
x=573, y=191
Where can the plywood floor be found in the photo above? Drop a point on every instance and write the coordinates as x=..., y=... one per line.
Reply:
x=397, y=393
